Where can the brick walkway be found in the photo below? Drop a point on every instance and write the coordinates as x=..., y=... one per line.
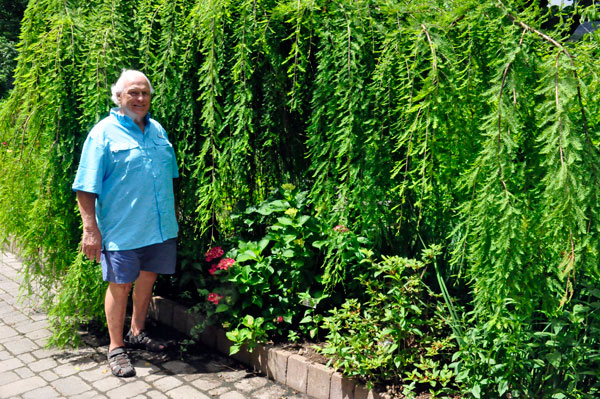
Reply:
x=29, y=370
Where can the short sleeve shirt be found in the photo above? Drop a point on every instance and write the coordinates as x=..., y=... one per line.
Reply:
x=131, y=172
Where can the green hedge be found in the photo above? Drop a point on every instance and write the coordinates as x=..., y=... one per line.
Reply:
x=469, y=124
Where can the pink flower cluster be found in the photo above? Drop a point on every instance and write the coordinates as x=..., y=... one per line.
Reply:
x=214, y=298
x=278, y=319
x=213, y=253
x=226, y=263
x=223, y=264
x=340, y=228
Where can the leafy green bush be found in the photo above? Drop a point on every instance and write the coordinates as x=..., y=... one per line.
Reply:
x=267, y=287
x=399, y=334
x=550, y=356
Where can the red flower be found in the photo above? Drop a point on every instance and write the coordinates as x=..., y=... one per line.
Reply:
x=341, y=228
x=225, y=264
x=279, y=319
x=212, y=270
x=214, y=298
x=213, y=253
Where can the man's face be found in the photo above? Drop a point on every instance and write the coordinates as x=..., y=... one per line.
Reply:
x=135, y=98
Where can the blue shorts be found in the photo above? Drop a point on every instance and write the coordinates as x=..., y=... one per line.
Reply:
x=123, y=267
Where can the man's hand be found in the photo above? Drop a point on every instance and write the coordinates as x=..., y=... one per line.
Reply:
x=91, y=243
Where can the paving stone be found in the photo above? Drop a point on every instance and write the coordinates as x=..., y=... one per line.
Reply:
x=6, y=308
x=166, y=383
x=94, y=374
x=250, y=384
x=88, y=395
x=192, y=377
x=232, y=376
x=10, y=364
x=110, y=382
x=219, y=391
x=143, y=368
x=44, y=353
x=24, y=372
x=129, y=390
x=22, y=386
x=43, y=392
x=8, y=377
x=206, y=383
x=20, y=345
x=71, y=385
x=186, y=392
x=178, y=367
x=156, y=395
x=155, y=376
x=27, y=358
x=273, y=391
x=28, y=327
x=9, y=286
x=4, y=354
x=40, y=336
x=232, y=395
x=65, y=370
x=43, y=364
x=48, y=375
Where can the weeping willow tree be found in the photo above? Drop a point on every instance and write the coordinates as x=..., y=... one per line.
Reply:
x=474, y=124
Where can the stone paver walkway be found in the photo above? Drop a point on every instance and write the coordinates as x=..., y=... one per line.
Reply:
x=29, y=370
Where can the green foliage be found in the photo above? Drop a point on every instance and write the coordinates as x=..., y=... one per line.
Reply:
x=278, y=276
x=8, y=55
x=81, y=300
x=400, y=332
x=558, y=359
x=470, y=124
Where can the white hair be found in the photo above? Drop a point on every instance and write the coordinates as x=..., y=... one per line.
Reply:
x=126, y=75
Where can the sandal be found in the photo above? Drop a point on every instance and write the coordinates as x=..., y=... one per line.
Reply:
x=143, y=341
x=119, y=363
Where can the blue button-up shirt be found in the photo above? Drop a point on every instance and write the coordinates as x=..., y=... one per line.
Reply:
x=132, y=174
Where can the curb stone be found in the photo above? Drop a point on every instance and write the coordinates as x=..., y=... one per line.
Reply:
x=292, y=370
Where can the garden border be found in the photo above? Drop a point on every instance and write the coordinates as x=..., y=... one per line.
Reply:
x=282, y=366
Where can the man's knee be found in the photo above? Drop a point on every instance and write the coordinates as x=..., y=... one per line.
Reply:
x=119, y=289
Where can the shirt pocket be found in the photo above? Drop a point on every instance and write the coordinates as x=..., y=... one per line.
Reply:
x=127, y=156
x=163, y=151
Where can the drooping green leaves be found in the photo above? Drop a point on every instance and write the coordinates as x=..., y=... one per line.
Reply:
x=472, y=124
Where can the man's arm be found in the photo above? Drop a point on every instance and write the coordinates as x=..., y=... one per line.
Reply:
x=91, y=243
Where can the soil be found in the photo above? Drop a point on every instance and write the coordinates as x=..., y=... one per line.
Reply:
x=306, y=349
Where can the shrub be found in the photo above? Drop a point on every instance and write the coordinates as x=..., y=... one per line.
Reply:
x=270, y=285
x=399, y=334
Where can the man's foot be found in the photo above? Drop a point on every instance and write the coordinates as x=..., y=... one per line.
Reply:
x=119, y=363
x=143, y=341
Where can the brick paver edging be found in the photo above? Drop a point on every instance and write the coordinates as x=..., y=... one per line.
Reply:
x=285, y=367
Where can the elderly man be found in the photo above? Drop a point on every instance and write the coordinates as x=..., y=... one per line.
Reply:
x=124, y=188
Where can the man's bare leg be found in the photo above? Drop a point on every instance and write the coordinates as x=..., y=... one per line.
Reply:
x=115, y=307
x=142, y=293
